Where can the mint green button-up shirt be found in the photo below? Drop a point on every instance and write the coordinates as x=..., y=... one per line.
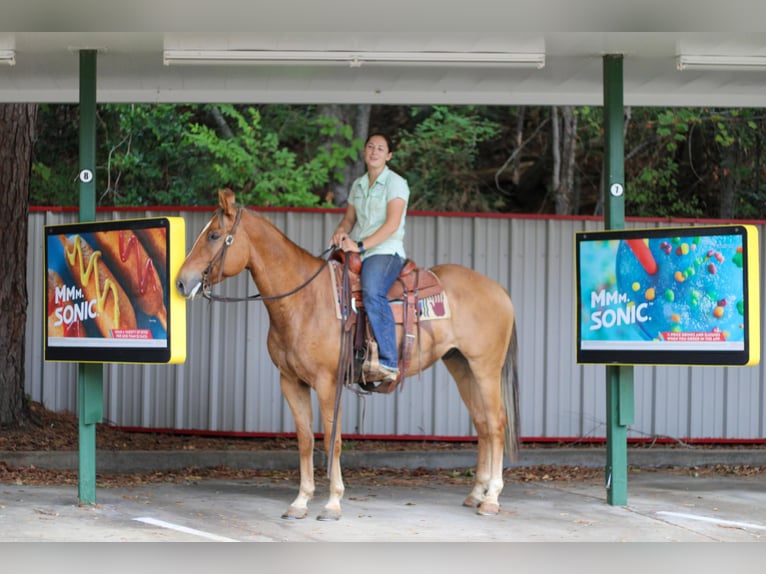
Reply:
x=370, y=206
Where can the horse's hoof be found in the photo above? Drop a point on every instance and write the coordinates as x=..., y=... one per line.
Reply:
x=328, y=515
x=294, y=513
x=488, y=509
x=471, y=502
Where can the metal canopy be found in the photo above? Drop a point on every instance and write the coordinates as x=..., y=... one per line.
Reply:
x=131, y=67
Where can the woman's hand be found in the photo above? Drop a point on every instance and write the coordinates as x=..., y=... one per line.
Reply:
x=348, y=244
x=339, y=237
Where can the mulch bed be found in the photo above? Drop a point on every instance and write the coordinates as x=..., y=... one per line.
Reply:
x=45, y=430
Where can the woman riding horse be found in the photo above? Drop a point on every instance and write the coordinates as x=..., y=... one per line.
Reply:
x=477, y=343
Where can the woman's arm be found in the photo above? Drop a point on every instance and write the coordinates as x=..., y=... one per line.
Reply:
x=344, y=227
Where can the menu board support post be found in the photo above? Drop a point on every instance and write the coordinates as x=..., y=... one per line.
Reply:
x=90, y=386
x=619, y=380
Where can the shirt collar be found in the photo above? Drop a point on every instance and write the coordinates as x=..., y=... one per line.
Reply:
x=382, y=178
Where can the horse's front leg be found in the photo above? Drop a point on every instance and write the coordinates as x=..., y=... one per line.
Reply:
x=326, y=396
x=298, y=395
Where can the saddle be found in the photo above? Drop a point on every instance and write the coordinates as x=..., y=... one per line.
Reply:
x=411, y=286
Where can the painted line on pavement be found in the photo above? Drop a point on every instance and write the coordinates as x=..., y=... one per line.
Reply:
x=712, y=520
x=184, y=529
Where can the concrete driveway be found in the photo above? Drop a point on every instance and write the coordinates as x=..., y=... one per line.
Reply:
x=662, y=507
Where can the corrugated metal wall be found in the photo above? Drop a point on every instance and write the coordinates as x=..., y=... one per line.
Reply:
x=229, y=384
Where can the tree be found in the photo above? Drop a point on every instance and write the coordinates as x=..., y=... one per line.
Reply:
x=358, y=119
x=679, y=162
x=564, y=147
x=438, y=159
x=262, y=169
x=17, y=128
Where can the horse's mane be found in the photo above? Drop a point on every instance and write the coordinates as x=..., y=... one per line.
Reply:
x=272, y=228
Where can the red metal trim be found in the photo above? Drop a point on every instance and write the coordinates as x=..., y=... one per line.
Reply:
x=564, y=441
x=475, y=215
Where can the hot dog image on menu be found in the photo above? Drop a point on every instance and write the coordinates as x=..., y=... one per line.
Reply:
x=127, y=258
x=63, y=320
x=154, y=240
x=99, y=297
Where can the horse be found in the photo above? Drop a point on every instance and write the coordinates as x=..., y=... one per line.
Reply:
x=477, y=343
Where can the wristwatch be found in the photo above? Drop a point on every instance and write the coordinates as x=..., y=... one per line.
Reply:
x=360, y=245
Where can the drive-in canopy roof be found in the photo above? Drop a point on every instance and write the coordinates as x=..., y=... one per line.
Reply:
x=131, y=65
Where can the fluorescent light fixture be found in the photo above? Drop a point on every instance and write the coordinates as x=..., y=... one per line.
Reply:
x=8, y=57
x=352, y=59
x=716, y=62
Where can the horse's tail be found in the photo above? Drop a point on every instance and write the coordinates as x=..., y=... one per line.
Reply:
x=510, y=392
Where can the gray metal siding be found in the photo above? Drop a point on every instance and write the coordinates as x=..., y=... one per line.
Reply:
x=228, y=382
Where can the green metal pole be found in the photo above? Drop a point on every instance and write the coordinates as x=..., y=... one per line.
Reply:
x=90, y=376
x=619, y=379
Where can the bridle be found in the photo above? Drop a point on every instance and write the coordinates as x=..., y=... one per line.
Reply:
x=221, y=254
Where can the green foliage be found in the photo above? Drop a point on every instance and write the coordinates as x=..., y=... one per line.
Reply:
x=53, y=184
x=147, y=160
x=679, y=161
x=53, y=180
x=263, y=171
x=652, y=178
x=167, y=154
x=439, y=156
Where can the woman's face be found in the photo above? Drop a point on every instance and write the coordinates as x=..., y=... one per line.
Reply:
x=376, y=153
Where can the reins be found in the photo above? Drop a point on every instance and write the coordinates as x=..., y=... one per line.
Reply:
x=219, y=257
x=345, y=358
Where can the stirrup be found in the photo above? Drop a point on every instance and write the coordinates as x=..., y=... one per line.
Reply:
x=377, y=386
x=380, y=379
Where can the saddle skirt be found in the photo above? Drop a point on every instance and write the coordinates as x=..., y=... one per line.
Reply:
x=412, y=281
x=416, y=295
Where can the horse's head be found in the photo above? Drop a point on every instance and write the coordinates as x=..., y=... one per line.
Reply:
x=220, y=250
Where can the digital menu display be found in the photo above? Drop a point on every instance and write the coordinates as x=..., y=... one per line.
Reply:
x=684, y=296
x=109, y=291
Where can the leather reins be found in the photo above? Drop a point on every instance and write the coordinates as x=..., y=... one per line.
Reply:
x=345, y=357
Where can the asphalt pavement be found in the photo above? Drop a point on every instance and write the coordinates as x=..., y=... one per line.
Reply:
x=663, y=506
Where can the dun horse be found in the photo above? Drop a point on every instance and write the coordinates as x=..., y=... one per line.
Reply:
x=477, y=343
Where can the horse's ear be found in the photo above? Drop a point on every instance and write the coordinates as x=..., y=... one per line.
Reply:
x=227, y=200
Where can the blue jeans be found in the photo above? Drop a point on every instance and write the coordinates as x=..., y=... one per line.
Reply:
x=378, y=275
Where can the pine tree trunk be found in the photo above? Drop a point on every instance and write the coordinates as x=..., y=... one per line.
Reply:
x=17, y=125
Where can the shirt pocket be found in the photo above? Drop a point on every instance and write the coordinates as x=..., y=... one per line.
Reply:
x=377, y=204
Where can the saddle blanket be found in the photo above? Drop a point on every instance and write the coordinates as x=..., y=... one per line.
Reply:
x=429, y=308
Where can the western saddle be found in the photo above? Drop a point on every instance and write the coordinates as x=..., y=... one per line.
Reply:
x=412, y=285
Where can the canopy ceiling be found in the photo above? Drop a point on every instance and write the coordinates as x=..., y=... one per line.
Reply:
x=131, y=67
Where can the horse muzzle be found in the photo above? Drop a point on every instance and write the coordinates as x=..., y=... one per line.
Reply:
x=189, y=288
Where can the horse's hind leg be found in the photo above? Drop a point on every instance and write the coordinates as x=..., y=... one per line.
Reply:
x=458, y=368
x=483, y=398
x=298, y=396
